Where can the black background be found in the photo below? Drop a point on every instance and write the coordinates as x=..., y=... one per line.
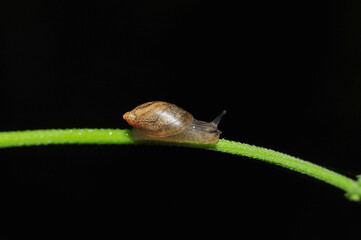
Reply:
x=288, y=73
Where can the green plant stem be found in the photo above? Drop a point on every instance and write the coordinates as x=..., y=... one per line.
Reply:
x=123, y=136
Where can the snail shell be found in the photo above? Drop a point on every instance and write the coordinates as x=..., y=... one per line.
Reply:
x=167, y=122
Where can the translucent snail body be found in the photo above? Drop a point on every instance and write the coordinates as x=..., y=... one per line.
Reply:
x=167, y=122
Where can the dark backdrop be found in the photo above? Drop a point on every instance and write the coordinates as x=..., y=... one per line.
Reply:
x=288, y=73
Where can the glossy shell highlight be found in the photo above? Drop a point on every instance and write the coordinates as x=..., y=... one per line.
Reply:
x=159, y=119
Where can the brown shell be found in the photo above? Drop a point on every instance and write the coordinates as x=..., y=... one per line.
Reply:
x=159, y=119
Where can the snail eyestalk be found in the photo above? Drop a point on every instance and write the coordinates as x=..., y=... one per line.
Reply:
x=218, y=119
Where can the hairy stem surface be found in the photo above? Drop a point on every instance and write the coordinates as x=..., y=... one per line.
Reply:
x=122, y=136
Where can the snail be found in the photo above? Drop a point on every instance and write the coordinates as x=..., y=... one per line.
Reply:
x=167, y=122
